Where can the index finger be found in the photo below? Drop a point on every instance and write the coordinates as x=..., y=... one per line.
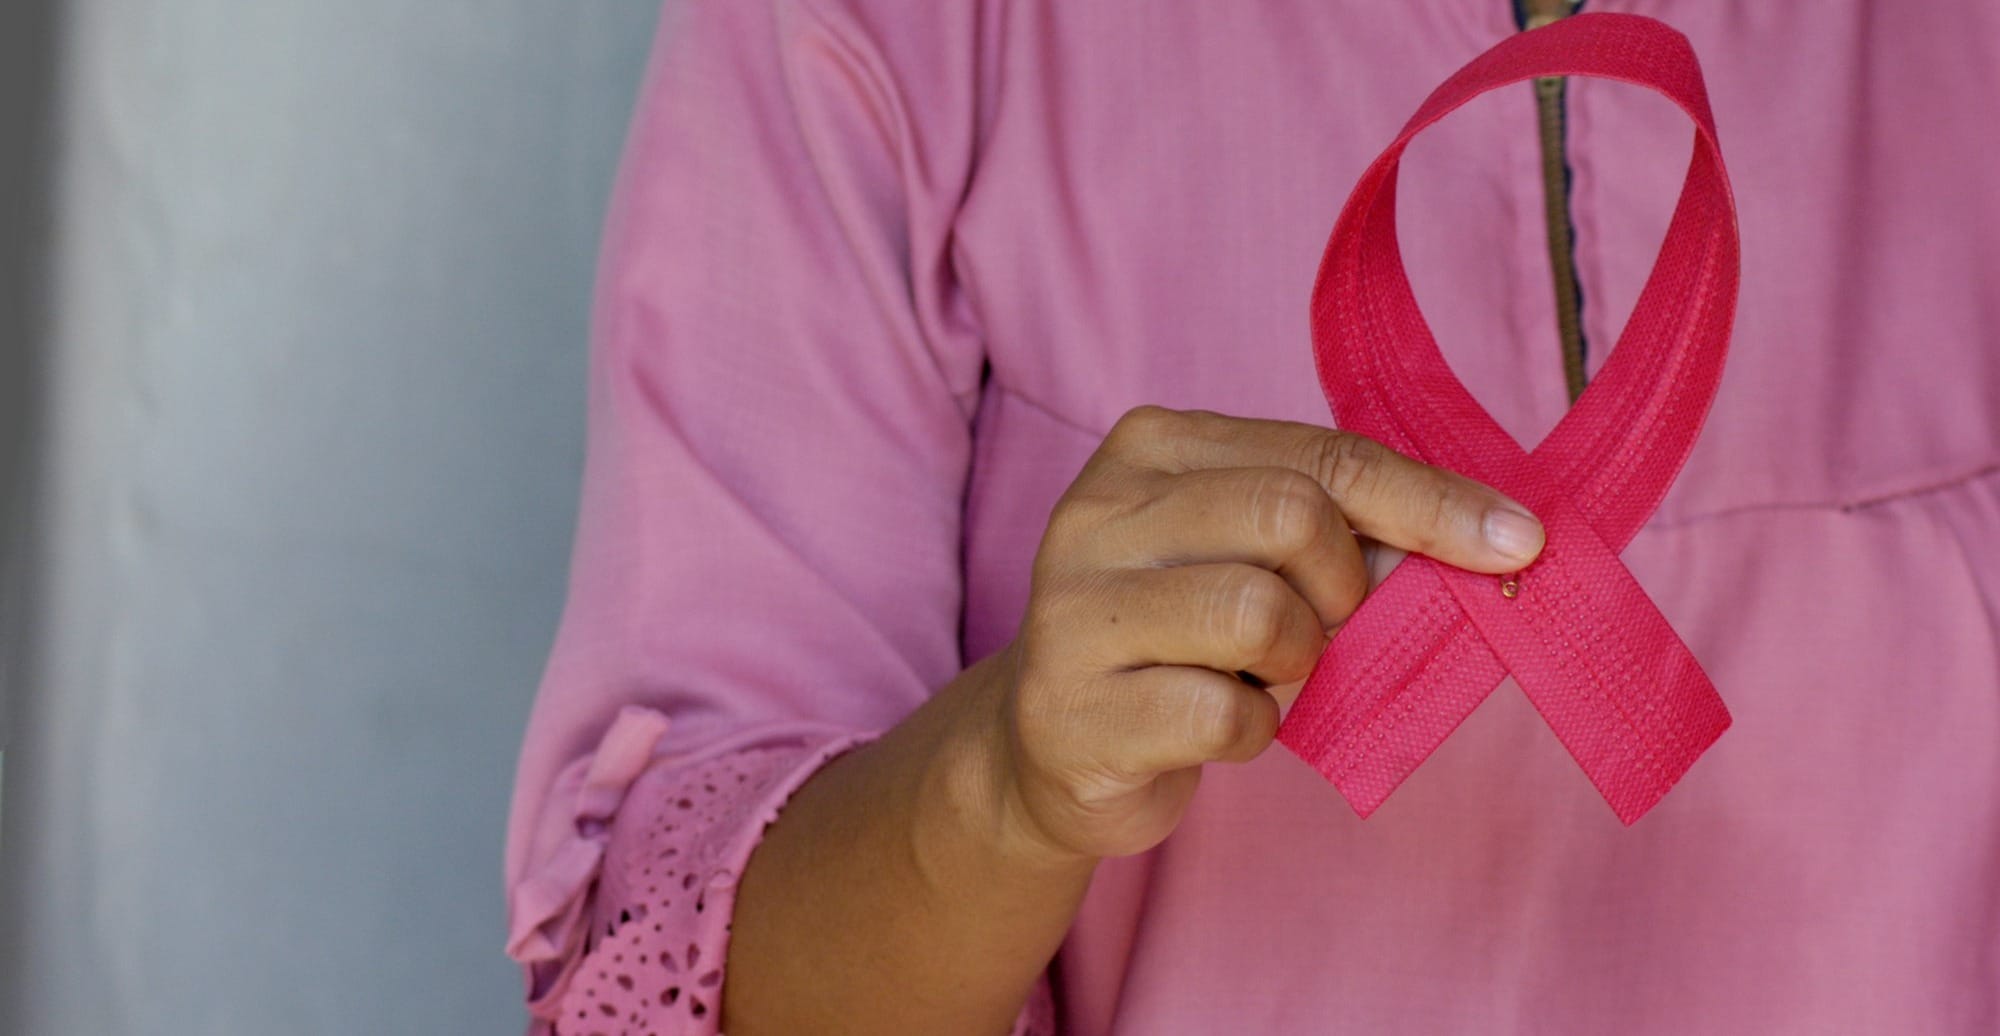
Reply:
x=1384, y=495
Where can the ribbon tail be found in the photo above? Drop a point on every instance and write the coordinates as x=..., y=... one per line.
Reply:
x=1599, y=661
x=1389, y=691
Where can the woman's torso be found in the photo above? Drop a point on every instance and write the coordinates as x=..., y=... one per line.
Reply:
x=1154, y=186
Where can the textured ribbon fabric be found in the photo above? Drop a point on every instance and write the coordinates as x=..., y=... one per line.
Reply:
x=1576, y=631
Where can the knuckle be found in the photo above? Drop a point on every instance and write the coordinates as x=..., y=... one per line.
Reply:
x=1288, y=510
x=1079, y=516
x=1223, y=721
x=1347, y=464
x=1199, y=421
x=1145, y=423
x=1066, y=525
x=1433, y=508
x=1250, y=614
x=1212, y=725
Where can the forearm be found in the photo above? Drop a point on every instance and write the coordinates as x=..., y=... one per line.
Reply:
x=897, y=892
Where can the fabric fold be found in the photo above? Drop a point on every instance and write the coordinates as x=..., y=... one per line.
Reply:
x=548, y=906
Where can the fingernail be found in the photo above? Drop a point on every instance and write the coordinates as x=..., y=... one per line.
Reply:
x=1513, y=533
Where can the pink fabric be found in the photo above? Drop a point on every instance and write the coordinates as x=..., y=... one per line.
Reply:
x=547, y=906
x=879, y=275
x=1573, y=628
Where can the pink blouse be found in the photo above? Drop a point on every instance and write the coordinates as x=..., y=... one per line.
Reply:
x=878, y=277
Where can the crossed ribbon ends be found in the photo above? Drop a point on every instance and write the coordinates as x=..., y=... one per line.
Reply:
x=1578, y=634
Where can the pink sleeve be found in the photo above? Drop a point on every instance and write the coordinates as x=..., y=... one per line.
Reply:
x=766, y=570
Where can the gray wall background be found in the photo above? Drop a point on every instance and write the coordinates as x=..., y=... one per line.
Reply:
x=26, y=27
x=310, y=412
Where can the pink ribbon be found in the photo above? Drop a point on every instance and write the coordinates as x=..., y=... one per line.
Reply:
x=1576, y=631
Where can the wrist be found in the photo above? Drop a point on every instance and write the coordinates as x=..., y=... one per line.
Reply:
x=978, y=792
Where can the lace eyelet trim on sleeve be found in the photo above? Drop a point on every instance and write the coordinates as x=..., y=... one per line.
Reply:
x=659, y=927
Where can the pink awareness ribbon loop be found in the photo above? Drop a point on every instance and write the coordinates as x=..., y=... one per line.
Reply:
x=1578, y=634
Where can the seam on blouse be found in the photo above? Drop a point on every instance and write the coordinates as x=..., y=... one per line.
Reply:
x=1847, y=506
x=1079, y=427
x=1861, y=502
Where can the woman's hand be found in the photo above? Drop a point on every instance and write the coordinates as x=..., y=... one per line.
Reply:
x=1194, y=547
x=1191, y=548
